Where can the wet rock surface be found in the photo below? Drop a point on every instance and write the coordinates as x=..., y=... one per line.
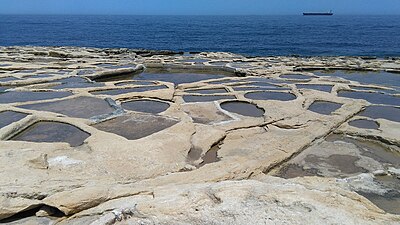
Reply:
x=346, y=157
x=117, y=136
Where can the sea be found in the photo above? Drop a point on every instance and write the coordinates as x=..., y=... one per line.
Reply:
x=338, y=35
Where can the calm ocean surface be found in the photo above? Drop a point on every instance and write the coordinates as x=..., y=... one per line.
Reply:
x=250, y=35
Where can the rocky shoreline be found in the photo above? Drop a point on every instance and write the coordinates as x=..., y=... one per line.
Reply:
x=120, y=136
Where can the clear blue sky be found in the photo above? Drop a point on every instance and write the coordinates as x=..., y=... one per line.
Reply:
x=198, y=7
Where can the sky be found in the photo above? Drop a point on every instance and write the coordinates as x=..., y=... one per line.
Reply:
x=198, y=7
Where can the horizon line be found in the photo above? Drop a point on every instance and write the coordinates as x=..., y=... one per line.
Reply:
x=81, y=14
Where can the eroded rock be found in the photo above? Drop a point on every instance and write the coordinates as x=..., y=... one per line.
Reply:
x=176, y=135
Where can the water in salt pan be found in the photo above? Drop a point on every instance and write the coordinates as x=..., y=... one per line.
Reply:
x=264, y=80
x=146, y=106
x=364, y=124
x=381, y=112
x=46, y=131
x=365, y=77
x=325, y=108
x=343, y=157
x=259, y=88
x=243, y=108
x=269, y=95
x=38, y=76
x=295, y=77
x=177, y=78
x=376, y=98
x=128, y=90
x=318, y=87
x=75, y=82
x=9, y=117
x=8, y=79
x=218, y=63
x=206, y=98
x=224, y=81
x=197, y=60
x=114, y=66
x=264, y=84
x=136, y=126
x=211, y=156
x=135, y=82
x=390, y=201
x=207, y=91
x=26, y=96
x=4, y=88
x=80, y=107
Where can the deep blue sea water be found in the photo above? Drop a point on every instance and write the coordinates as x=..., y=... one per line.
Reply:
x=250, y=35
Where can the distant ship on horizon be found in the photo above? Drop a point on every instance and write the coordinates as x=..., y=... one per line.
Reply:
x=330, y=13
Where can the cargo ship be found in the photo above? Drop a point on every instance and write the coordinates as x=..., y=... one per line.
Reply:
x=330, y=13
